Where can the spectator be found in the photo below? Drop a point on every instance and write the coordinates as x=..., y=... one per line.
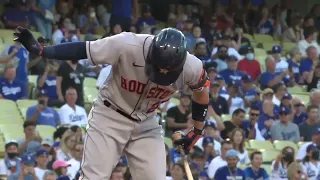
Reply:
x=220, y=58
x=242, y=41
x=197, y=163
x=295, y=171
x=310, y=126
x=7, y=58
x=315, y=99
x=217, y=103
x=230, y=51
x=287, y=101
x=70, y=74
x=75, y=161
x=300, y=115
x=42, y=161
x=310, y=35
x=281, y=64
x=37, y=64
x=294, y=33
x=60, y=168
x=265, y=25
x=168, y=160
x=117, y=175
x=177, y=116
x=22, y=59
x=10, y=166
x=78, y=131
x=208, y=145
x=70, y=113
x=249, y=64
x=230, y=170
x=256, y=171
x=31, y=142
x=313, y=78
x=211, y=69
x=266, y=119
x=43, y=16
x=16, y=16
x=285, y=129
x=303, y=149
x=280, y=91
x=67, y=142
x=294, y=62
x=201, y=51
x=231, y=74
x=270, y=77
x=177, y=172
x=210, y=131
x=27, y=168
x=310, y=163
x=147, y=19
x=196, y=35
x=65, y=32
x=41, y=114
x=236, y=122
x=233, y=97
x=10, y=88
x=47, y=144
x=280, y=165
x=248, y=92
x=308, y=22
x=252, y=125
x=308, y=65
x=88, y=22
x=237, y=138
x=219, y=161
x=50, y=175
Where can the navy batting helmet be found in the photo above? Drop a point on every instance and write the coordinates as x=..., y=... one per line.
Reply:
x=166, y=57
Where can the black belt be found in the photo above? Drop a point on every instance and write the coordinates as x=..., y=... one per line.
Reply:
x=108, y=104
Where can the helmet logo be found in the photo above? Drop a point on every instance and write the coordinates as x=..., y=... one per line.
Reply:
x=163, y=71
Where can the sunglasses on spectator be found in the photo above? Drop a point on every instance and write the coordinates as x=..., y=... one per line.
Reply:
x=254, y=114
x=298, y=105
x=283, y=114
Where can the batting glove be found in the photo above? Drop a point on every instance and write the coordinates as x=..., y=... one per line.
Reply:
x=188, y=141
x=25, y=37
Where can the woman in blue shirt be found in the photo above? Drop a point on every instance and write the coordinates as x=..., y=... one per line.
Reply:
x=255, y=172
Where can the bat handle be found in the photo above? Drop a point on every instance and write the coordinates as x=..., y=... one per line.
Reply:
x=187, y=169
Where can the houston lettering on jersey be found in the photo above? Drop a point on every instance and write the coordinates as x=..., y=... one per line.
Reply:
x=159, y=94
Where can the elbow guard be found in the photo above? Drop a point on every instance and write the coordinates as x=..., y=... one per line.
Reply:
x=199, y=111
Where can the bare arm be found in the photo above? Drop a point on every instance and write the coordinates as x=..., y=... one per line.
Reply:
x=5, y=60
x=43, y=78
x=220, y=125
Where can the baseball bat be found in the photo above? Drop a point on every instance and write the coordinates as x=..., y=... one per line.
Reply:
x=186, y=165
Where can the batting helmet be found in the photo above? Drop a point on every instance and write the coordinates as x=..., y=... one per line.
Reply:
x=166, y=57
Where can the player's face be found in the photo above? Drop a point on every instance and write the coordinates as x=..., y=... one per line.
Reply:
x=257, y=160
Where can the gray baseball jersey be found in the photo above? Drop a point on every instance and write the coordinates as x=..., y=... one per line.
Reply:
x=129, y=88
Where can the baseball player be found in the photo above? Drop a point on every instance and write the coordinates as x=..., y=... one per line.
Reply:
x=146, y=71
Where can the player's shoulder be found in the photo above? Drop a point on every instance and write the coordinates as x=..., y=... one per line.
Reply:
x=132, y=39
x=192, y=63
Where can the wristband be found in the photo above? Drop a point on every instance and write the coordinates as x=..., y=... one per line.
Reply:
x=199, y=111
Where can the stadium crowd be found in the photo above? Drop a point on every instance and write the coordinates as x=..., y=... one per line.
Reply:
x=263, y=117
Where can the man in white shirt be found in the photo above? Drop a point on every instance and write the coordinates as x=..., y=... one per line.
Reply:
x=231, y=51
x=70, y=113
x=303, y=149
x=311, y=36
x=281, y=63
x=279, y=92
x=104, y=75
x=42, y=161
x=75, y=161
x=219, y=161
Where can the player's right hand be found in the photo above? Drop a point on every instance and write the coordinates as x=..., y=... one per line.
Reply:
x=25, y=37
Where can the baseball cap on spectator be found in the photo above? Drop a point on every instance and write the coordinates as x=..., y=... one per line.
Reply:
x=231, y=153
x=41, y=93
x=311, y=147
x=60, y=164
x=232, y=58
x=28, y=159
x=217, y=36
x=47, y=141
x=246, y=78
x=41, y=152
x=286, y=96
x=11, y=142
x=209, y=123
x=249, y=49
x=284, y=110
x=276, y=49
x=267, y=91
x=201, y=40
x=207, y=141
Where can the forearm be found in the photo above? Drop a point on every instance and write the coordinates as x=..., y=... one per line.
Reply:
x=65, y=51
x=34, y=62
x=42, y=79
x=275, y=81
x=310, y=76
x=174, y=125
x=34, y=118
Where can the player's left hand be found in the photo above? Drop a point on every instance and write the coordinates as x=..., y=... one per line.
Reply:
x=25, y=37
x=188, y=141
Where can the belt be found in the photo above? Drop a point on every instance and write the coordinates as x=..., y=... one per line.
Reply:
x=109, y=105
